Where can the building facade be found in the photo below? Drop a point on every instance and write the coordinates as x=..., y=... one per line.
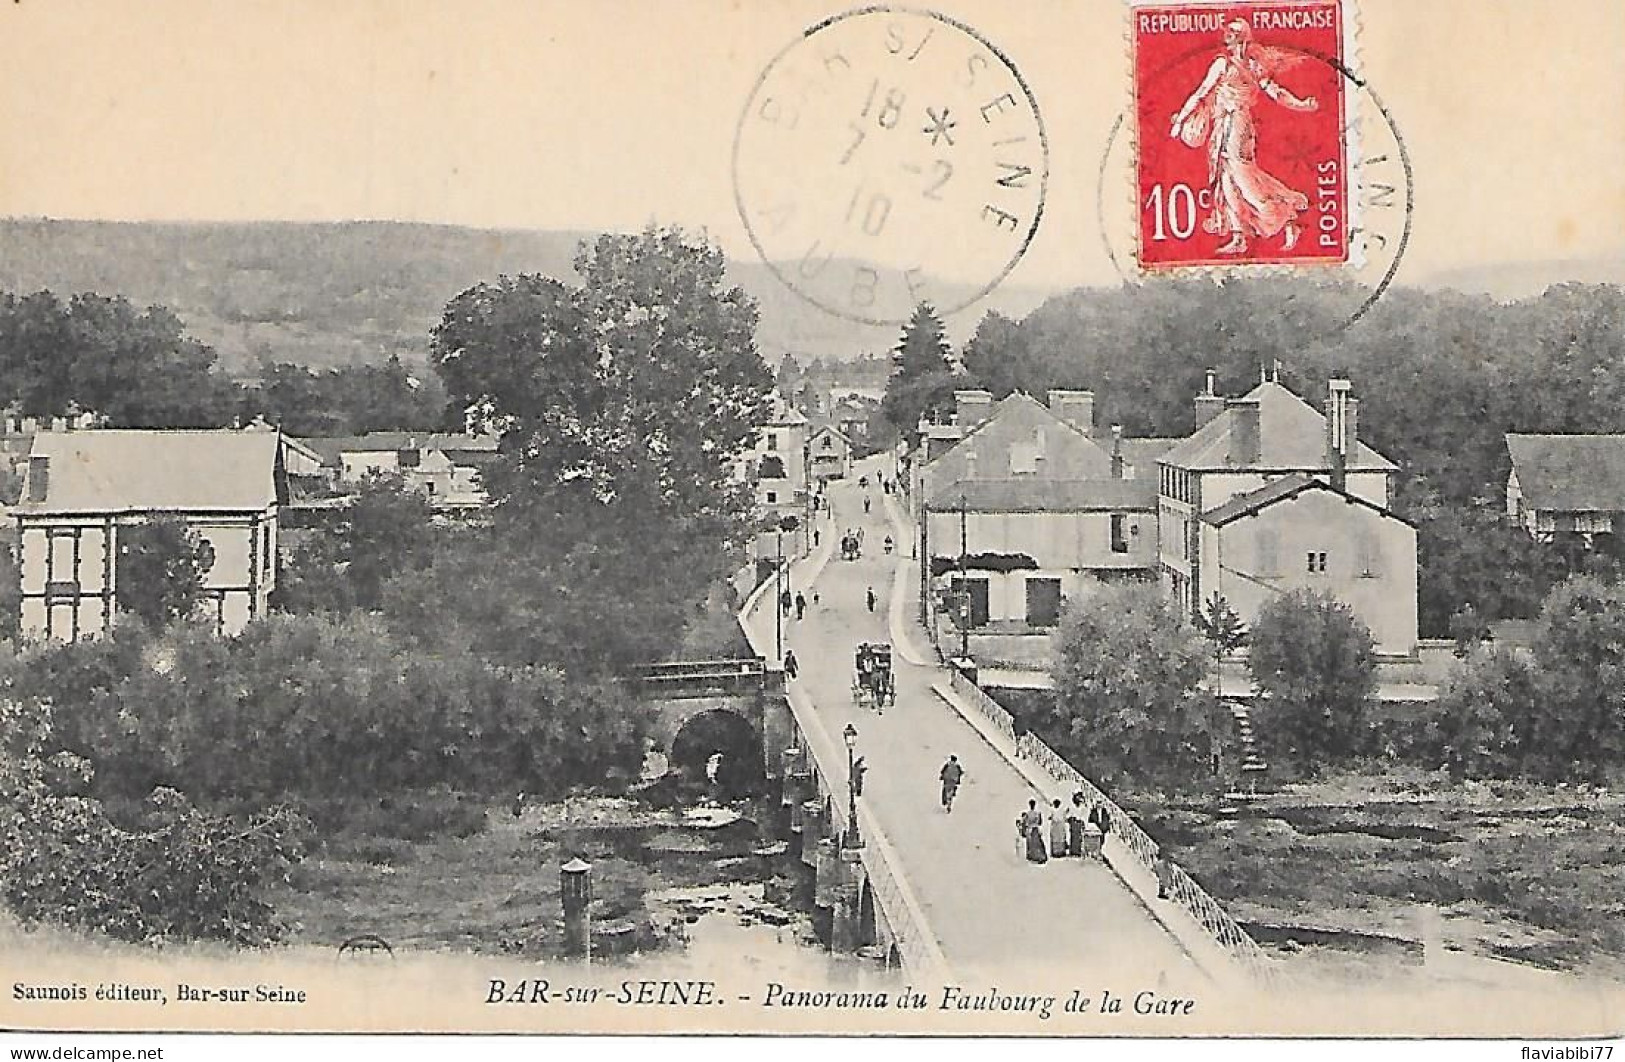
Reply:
x=1028, y=509
x=1269, y=495
x=85, y=489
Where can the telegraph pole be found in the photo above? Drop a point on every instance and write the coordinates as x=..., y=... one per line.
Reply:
x=964, y=586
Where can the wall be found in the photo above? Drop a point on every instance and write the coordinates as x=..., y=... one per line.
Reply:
x=1057, y=541
x=1347, y=533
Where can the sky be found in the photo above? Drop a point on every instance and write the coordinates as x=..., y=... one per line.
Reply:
x=609, y=114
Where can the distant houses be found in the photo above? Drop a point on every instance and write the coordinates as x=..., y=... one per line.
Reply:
x=84, y=489
x=444, y=467
x=1567, y=484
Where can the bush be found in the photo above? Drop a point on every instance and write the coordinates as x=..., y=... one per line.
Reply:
x=1314, y=662
x=308, y=706
x=183, y=875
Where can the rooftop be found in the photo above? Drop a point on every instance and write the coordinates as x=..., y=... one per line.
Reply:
x=1570, y=473
x=115, y=470
x=1291, y=436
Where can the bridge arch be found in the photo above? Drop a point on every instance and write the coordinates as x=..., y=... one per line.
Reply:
x=722, y=731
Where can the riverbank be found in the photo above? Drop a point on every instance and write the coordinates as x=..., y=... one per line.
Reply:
x=1351, y=874
x=489, y=884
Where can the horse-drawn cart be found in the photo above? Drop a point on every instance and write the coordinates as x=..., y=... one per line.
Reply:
x=872, y=683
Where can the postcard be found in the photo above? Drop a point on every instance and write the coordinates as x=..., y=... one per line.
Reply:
x=1080, y=518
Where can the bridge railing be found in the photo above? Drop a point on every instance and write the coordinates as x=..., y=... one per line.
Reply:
x=990, y=709
x=1182, y=888
x=905, y=916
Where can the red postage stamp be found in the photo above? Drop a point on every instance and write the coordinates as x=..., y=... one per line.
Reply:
x=1242, y=116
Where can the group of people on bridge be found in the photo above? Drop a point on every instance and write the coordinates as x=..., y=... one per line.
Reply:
x=1076, y=832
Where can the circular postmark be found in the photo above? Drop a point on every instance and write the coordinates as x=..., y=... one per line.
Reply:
x=1380, y=205
x=889, y=157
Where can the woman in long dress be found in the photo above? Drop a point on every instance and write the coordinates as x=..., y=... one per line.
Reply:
x=1032, y=830
x=1247, y=201
x=1057, y=831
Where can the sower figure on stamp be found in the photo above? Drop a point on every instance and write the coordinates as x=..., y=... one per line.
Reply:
x=1246, y=200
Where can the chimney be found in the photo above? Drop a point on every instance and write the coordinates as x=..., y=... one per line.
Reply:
x=1244, y=428
x=970, y=464
x=1209, y=403
x=1117, y=451
x=1076, y=408
x=972, y=407
x=1342, y=428
x=39, y=477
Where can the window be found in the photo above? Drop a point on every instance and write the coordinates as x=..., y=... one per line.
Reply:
x=1317, y=563
x=1043, y=602
x=770, y=439
x=1023, y=459
x=1119, y=533
x=772, y=497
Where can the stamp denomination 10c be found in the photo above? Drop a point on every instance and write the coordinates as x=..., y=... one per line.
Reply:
x=1242, y=133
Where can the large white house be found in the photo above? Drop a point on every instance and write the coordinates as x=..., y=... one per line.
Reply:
x=84, y=489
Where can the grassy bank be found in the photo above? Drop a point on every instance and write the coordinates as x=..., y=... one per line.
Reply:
x=487, y=880
x=1530, y=873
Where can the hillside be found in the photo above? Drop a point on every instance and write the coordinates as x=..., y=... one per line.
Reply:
x=332, y=294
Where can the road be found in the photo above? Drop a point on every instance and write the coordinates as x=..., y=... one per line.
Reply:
x=990, y=909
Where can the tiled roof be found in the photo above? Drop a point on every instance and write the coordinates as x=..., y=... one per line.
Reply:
x=385, y=441
x=1291, y=436
x=1570, y=473
x=1029, y=495
x=156, y=471
x=1277, y=490
x=1018, y=420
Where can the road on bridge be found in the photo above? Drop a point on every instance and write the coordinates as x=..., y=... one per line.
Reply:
x=990, y=909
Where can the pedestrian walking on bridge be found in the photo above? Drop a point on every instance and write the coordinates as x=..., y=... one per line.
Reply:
x=869, y=593
x=950, y=775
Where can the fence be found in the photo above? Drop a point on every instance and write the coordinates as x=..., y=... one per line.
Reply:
x=1182, y=888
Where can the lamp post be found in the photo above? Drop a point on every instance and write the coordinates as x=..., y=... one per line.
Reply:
x=964, y=585
x=778, y=592
x=854, y=839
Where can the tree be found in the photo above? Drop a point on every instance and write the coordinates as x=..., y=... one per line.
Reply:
x=1580, y=656
x=387, y=530
x=643, y=384
x=922, y=377
x=999, y=357
x=1485, y=711
x=180, y=875
x=625, y=403
x=139, y=369
x=1314, y=663
x=162, y=565
x=1222, y=628
x=1127, y=677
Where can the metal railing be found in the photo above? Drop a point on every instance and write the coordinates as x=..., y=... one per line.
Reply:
x=990, y=709
x=1182, y=888
x=915, y=942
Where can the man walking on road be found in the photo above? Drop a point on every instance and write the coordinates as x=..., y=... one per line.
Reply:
x=801, y=606
x=869, y=593
x=951, y=774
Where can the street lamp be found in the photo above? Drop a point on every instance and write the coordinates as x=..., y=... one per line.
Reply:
x=964, y=585
x=854, y=839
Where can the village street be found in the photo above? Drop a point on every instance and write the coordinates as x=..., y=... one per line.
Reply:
x=988, y=906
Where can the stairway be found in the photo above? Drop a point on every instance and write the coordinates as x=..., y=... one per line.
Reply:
x=1252, y=764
